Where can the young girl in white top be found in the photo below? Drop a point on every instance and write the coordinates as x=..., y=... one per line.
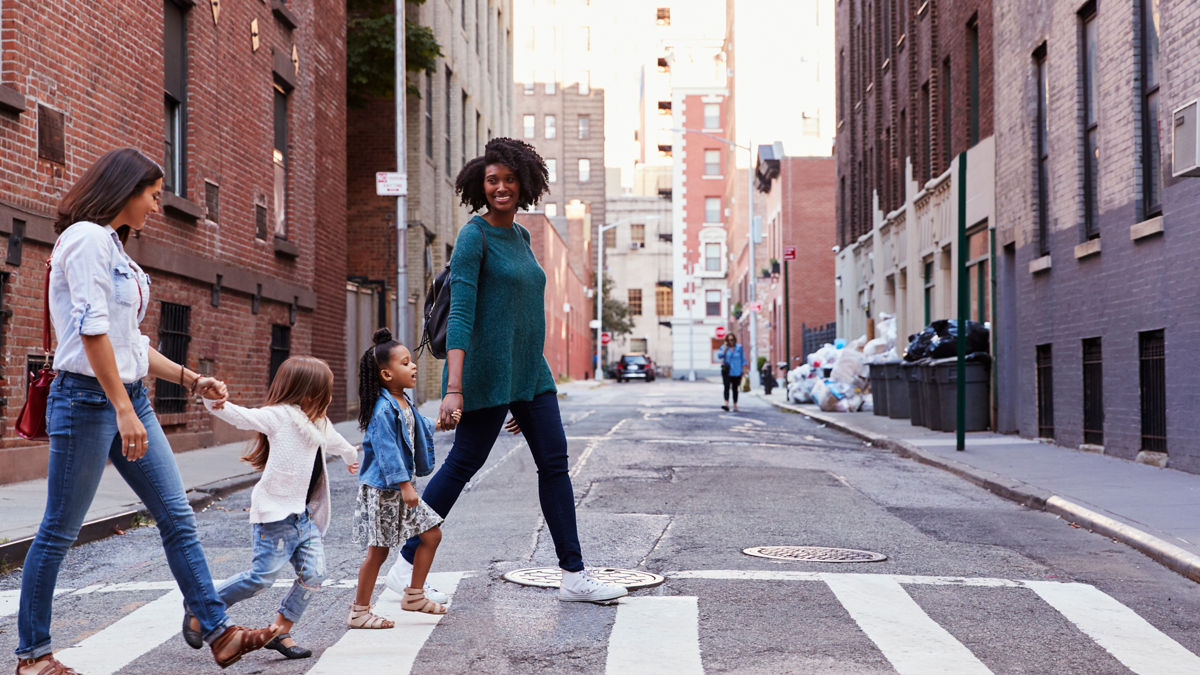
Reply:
x=289, y=506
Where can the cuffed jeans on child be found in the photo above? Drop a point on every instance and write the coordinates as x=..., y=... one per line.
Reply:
x=295, y=539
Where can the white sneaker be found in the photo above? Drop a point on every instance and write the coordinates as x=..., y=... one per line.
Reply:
x=400, y=576
x=581, y=587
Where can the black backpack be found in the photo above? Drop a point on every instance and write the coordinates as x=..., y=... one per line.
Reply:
x=437, y=307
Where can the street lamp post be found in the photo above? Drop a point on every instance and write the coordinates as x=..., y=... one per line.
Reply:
x=600, y=284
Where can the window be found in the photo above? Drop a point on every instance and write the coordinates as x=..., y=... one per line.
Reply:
x=585, y=170
x=462, y=12
x=173, y=338
x=585, y=127
x=712, y=116
x=1043, y=153
x=1093, y=393
x=174, y=98
x=663, y=17
x=637, y=235
x=552, y=168
x=551, y=83
x=841, y=85
x=449, y=100
x=712, y=162
x=973, y=102
x=1090, y=88
x=928, y=278
x=663, y=301
x=1151, y=134
x=530, y=82
x=947, y=109
x=429, y=114
x=978, y=253
x=281, y=158
x=212, y=201
x=635, y=302
x=712, y=257
x=551, y=209
x=463, y=116
x=1045, y=392
x=610, y=238
x=551, y=127
x=712, y=209
x=712, y=303
x=926, y=134
x=585, y=82
x=529, y=121
x=477, y=22
x=281, y=348
x=1152, y=375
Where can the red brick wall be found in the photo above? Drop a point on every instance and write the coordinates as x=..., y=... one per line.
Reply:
x=569, y=343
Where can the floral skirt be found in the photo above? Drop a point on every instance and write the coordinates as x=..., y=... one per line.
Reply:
x=381, y=518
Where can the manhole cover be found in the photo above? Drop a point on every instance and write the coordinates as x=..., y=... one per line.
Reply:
x=551, y=577
x=814, y=554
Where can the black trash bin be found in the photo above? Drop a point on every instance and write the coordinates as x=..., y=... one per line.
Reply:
x=977, y=378
x=897, y=391
x=879, y=390
x=930, y=399
x=910, y=371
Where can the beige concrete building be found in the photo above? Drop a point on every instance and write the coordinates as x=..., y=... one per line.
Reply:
x=637, y=257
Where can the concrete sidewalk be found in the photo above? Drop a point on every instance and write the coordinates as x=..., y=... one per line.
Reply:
x=1148, y=508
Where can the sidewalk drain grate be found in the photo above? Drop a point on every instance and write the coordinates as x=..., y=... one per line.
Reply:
x=814, y=554
x=551, y=577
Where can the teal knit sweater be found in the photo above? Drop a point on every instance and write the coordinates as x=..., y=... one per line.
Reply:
x=498, y=316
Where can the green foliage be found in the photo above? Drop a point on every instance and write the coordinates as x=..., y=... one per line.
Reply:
x=371, y=50
x=614, y=313
x=762, y=361
x=737, y=311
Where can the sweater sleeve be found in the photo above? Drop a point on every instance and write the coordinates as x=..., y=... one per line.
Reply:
x=263, y=420
x=336, y=444
x=465, y=270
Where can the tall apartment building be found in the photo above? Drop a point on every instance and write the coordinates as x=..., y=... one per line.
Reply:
x=464, y=102
x=245, y=110
x=914, y=92
x=637, y=257
x=1096, y=199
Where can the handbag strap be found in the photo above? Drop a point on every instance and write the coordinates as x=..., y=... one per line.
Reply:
x=46, y=313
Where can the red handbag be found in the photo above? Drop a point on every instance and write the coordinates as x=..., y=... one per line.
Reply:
x=31, y=421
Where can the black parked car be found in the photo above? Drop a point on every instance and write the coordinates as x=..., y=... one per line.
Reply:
x=635, y=366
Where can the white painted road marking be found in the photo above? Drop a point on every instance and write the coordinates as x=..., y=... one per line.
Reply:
x=362, y=651
x=655, y=634
x=1118, y=629
x=911, y=641
x=123, y=642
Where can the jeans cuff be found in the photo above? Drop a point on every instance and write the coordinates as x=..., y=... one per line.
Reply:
x=36, y=652
x=212, y=635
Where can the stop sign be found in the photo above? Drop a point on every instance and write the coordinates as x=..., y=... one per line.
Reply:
x=605, y=338
x=720, y=332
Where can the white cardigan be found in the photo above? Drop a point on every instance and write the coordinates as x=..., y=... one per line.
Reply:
x=295, y=441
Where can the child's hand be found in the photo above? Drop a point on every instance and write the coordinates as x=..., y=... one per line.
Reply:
x=511, y=426
x=454, y=416
x=352, y=468
x=409, y=494
x=213, y=389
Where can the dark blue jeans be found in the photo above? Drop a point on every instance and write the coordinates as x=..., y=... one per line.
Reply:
x=477, y=432
x=83, y=437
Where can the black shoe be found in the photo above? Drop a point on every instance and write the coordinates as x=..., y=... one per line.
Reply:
x=296, y=652
x=725, y=408
x=193, y=637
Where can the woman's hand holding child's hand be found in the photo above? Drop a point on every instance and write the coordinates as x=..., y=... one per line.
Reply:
x=213, y=389
x=454, y=418
x=511, y=426
x=409, y=494
x=352, y=468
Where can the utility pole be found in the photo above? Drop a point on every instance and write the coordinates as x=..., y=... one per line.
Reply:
x=401, y=201
x=751, y=268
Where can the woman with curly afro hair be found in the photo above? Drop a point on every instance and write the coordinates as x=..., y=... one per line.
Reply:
x=494, y=365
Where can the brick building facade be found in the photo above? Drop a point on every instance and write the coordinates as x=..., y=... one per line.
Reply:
x=245, y=109
x=568, y=348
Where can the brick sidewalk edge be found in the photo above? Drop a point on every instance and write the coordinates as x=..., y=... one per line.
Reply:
x=1161, y=551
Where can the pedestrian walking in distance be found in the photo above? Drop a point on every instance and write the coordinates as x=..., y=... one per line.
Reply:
x=494, y=338
x=289, y=506
x=98, y=409
x=733, y=365
x=397, y=447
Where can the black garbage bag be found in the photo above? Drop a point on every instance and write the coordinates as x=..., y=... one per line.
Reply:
x=940, y=340
x=919, y=345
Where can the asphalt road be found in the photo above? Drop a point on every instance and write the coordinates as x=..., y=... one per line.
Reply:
x=668, y=483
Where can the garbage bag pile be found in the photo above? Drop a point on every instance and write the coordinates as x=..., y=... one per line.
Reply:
x=939, y=340
x=847, y=386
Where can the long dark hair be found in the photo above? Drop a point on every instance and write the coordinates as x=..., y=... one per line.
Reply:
x=104, y=189
x=519, y=156
x=369, y=382
x=303, y=381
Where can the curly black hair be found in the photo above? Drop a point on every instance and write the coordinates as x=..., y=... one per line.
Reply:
x=369, y=382
x=519, y=156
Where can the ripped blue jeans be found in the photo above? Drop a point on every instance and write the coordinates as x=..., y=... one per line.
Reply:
x=294, y=539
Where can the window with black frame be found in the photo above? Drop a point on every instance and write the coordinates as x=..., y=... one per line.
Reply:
x=174, y=335
x=281, y=348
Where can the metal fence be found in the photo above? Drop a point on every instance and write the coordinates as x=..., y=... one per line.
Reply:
x=1153, y=384
x=817, y=336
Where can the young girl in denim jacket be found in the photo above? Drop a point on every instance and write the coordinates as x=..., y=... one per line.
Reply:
x=289, y=506
x=397, y=447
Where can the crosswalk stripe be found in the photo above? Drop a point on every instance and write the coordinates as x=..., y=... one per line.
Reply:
x=655, y=635
x=907, y=636
x=1118, y=629
x=121, y=643
x=366, y=650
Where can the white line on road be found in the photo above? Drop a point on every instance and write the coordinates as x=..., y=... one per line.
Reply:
x=123, y=642
x=766, y=575
x=1118, y=629
x=907, y=636
x=655, y=635
x=363, y=651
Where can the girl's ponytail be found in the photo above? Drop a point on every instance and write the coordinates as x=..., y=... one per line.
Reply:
x=369, y=383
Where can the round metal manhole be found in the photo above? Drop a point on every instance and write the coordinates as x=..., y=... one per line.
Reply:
x=814, y=554
x=551, y=577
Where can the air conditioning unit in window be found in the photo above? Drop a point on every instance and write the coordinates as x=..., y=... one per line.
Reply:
x=1185, y=158
x=636, y=245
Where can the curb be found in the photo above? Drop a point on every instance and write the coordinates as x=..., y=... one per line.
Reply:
x=1161, y=551
x=12, y=554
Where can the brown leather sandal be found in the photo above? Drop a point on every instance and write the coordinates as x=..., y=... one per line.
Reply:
x=252, y=639
x=52, y=666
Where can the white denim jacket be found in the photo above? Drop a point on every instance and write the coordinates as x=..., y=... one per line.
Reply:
x=97, y=289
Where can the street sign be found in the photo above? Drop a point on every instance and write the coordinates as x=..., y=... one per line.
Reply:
x=594, y=324
x=605, y=338
x=391, y=184
x=789, y=252
x=756, y=306
x=720, y=332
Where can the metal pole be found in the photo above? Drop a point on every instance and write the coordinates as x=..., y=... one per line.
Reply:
x=964, y=305
x=401, y=205
x=599, y=299
x=751, y=265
